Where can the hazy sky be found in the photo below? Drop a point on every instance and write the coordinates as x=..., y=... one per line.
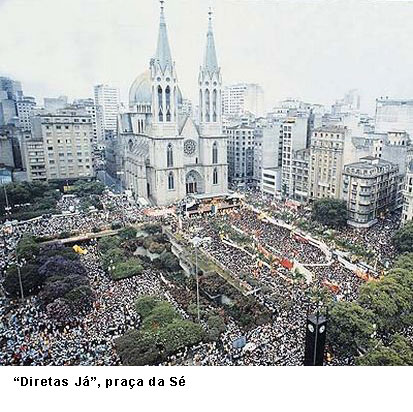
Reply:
x=311, y=49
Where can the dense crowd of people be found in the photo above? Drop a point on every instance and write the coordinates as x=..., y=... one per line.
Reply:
x=29, y=336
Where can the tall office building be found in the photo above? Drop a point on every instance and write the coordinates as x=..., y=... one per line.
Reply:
x=53, y=104
x=394, y=115
x=241, y=144
x=330, y=151
x=107, y=102
x=25, y=107
x=241, y=98
x=60, y=147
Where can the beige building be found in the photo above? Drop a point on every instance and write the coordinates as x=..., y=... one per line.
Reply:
x=60, y=147
x=371, y=188
x=331, y=149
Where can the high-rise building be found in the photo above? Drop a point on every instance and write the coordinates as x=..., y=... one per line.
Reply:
x=25, y=107
x=53, y=104
x=394, y=115
x=13, y=88
x=241, y=142
x=371, y=189
x=241, y=98
x=294, y=137
x=89, y=106
x=330, y=151
x=107, y=104
x=60, y=147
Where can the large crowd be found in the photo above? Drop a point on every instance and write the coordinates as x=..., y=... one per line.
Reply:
x=28, y=336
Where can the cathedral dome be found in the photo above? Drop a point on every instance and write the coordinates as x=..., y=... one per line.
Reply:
x=141, y=90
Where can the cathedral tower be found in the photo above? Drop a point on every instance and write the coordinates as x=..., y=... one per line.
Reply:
x=210, y=85
x=213, y=143
x=165, y=89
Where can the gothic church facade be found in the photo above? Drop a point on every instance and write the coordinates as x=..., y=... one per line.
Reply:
x=165, y=155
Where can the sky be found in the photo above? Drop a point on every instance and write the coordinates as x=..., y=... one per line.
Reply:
x=314, y=50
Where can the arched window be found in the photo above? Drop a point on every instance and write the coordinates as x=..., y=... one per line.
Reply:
x=171, y=183
x=201, y=106
x=215, y=176
x=160, y=113
x=215, y=153
x=207, y=102
x=214, y=105
x=175, y=103
x=169, y=156
x=168, y=103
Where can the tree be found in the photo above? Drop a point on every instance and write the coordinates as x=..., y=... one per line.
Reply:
x=152, y=228
x=389, y=300
x=80, y=298
x=163, y=333
x=113, y=257
x=169, y=262
x=27, y=248
x=351, y=328
x=128, y=233
x=404, y=262
x=32, y=280
x=127, y=269
x=137, y=348
x=398, y=353
x=178, y=334
x=403, y=239
x=216, y=326
x=144, y=305
x=61, y=267
x=109, y=242
x=161, y=315
x=330, y=212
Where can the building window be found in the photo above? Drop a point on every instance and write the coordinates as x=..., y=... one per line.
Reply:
x=215, y=153
x=214, y=106
x=168, y=103
x=215, y=176
x=171, y=184
x=169, y=156
x=160, y=103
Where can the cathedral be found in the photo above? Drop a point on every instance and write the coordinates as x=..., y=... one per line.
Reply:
x=164, y=155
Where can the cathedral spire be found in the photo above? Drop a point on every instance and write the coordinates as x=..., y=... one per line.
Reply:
x=210, y=57
x=163, y=51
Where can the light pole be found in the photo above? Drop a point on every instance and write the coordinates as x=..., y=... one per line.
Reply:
x=7, y=208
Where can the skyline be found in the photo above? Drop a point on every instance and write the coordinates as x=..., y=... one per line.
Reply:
x=104, y=43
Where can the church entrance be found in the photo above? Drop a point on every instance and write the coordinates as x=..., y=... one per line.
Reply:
x=194, y=183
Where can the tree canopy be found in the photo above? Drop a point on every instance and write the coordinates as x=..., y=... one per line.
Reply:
x=403, y=239
x=330, y=212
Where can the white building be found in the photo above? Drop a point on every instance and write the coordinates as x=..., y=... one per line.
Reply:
x=107, y=102
x=371, y=189
x=294, y=137
x=394, y=115
x=407, y=214
x=25, y=107
x=241, y=146
x=241, y=98
x=60, y=147
x=53, y=104
x=165, y=156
